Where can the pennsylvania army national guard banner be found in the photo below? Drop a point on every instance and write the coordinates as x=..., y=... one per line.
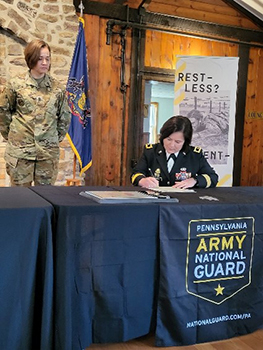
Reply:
x=211, y=278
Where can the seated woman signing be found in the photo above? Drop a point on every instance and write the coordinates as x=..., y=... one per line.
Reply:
x=172, y=161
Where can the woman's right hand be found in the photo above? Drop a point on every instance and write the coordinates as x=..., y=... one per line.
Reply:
x=148, y=182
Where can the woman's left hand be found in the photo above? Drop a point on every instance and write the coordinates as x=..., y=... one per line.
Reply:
x=188, y=183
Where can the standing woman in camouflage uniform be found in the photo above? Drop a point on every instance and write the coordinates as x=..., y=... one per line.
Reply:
x=34, y=118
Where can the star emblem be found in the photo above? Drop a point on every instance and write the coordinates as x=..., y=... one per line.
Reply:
x=219, y=290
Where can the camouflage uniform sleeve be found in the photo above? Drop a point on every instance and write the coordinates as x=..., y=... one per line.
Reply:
x=7, y=107
x=64, y=116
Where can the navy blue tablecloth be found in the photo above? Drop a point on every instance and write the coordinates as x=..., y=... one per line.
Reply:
x=106, y=268
x=211, y=280
x=121, y=270
x=26, y=271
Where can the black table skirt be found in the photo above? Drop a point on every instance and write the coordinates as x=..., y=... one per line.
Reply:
x=122, y=270
x=26, y=270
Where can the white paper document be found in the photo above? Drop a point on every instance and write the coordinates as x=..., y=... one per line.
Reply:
x=169, y=189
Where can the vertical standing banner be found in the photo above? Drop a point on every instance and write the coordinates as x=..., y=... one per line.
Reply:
x=205, y=92
x=79, y=134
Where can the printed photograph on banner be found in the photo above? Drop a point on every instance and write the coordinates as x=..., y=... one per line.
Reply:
x=205, y=91
x=210, y=119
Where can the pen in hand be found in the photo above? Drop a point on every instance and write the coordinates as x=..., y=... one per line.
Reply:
x=154, y=182
x=151, y=173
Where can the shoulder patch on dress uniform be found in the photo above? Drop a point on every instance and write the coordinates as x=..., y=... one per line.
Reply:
x=148, y=146
x=197, y=149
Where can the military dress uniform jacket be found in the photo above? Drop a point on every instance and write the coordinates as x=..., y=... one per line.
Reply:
x=34, y=118
x=189, y=164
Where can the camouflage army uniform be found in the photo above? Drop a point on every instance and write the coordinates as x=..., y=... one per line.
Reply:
x=34, y=118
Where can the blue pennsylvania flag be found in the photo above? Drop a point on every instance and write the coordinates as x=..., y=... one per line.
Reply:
x=79, y=134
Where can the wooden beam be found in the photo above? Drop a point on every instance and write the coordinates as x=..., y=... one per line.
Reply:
x=119, y=2
x=111, y=11
x=153, y=21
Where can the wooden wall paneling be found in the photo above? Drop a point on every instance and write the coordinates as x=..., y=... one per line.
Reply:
x=156, y=39
x=115, y=114
x=102, y=102
x=171, y=45
x=217, y=50
x=132, y=106
x=167, y=51
x=112, y=102
x=92, y=25
x=158, y=43
x=254, y=176
x=123, y=111
x=123, y=91
x=204, y=47
x=125, y=169
x=104, y=76
x=159, y=50
x=111, y=131
x=253, y=127
x=256, y=129
x=188, y=46
x=260, y=121
x=147, y=51
x=247, y=135
x=193, y=46
x=210, y=11
x=248, y=168
x=101, y=139
x=135, y=104
x=240, y=112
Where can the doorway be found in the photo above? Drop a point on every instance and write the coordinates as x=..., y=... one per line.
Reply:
x=158, y=107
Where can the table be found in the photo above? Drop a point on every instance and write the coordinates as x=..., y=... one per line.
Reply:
x=121, y=270
x=26, y=270
x=211, y=280
x=106, y=268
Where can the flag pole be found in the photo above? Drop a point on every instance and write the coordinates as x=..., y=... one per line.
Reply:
x=74, y=181
x=74, y=166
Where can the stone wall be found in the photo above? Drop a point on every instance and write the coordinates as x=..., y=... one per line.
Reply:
x=55, y=22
